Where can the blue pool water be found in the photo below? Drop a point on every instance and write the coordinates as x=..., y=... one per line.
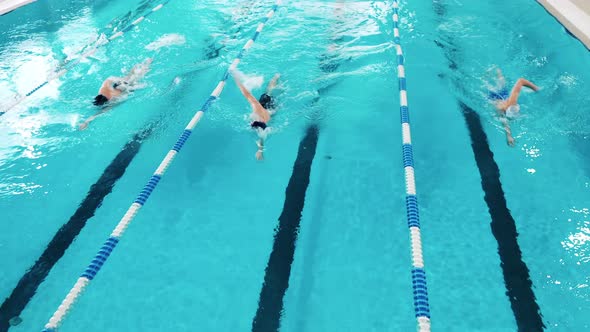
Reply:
x=195, y=256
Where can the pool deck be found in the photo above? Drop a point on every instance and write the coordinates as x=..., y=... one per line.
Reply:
x=573, y=14
x=6, y=6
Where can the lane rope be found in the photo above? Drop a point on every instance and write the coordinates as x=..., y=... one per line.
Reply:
x=65, y=67
x=110, y=244
x=421, y=305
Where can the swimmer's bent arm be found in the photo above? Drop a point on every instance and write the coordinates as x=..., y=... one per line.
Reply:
x=528, y=84
x=513, y=99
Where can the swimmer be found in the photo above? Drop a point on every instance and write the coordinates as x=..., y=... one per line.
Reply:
x=113, y=88
x=507, y=103
x=262, y=110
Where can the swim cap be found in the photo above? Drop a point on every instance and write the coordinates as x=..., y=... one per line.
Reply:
x=512, y=111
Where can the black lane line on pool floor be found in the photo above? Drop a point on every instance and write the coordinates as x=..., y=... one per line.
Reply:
x=519, y=287
x=278, y=269
x=28, y=284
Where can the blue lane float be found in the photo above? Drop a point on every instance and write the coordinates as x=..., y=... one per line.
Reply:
x=103, y=254
x=65, y=67
x=421, y=305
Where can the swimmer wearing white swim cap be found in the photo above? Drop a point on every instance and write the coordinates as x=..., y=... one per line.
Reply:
x=508, y=107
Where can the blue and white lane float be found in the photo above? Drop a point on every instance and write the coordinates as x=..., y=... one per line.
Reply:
x=65, y=67
x=110, y=244
x=421, y=306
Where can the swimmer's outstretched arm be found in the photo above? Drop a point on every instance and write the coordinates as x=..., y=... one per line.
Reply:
x=245, y=92
x=256, y=106
x=509, y=138
x=85, y=124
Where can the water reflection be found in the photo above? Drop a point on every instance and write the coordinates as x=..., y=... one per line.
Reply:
x=578, y=242
x=28, y=132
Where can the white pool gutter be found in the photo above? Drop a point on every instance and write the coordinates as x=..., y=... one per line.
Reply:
x=573, y=14
x=7, y=6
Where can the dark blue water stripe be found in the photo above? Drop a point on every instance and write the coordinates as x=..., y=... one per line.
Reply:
x=30, y=281
x=278, y=269
x=516, y=274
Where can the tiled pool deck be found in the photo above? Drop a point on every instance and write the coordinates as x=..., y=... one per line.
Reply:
x=573, y=14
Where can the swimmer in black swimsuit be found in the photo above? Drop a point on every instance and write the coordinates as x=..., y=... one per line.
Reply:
x=115, y=87
x=262, y=110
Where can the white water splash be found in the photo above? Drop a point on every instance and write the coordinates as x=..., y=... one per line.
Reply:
x=250, y=81
x=166, y=40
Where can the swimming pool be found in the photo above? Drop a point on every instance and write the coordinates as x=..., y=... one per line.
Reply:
x=196, y=255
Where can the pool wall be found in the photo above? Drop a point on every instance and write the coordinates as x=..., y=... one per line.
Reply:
x=10, y=5
x=573, y=14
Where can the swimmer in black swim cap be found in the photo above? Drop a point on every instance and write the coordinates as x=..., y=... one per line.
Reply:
x=115, y=87
x=262, y=110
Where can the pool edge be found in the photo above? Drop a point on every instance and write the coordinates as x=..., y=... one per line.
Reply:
x=9, y=6
x=564, y=13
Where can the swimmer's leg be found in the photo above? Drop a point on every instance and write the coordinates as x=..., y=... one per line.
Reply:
x=138, y=71
x=501, y=81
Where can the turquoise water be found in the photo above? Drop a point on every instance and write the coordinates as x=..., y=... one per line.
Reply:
x=195, y=256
